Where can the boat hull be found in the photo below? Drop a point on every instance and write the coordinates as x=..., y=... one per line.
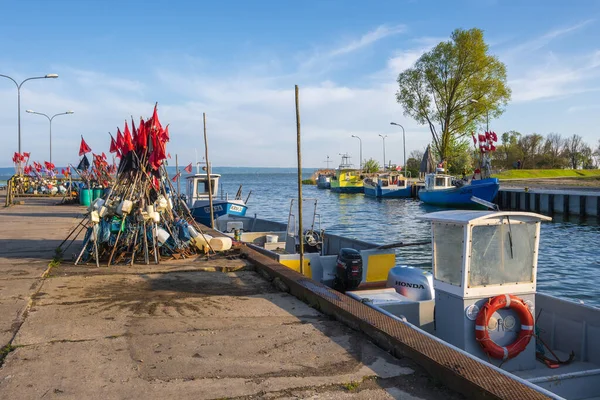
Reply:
x=347, y=189
x=201, y=210
x=485, y=189
x=390, y=193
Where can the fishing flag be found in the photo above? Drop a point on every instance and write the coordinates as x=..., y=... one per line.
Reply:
x=188, y=169
x=127, y=141
x=177, y=175
x=113, y=145
x=142, y=137
x=84, y=164
x=83, y=147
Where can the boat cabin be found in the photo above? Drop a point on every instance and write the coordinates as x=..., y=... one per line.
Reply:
x=197, y=187
x=396, y=180
x=438, y=181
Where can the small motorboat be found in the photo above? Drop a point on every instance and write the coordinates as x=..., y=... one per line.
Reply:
x=198, y=198
x=347, y=179
x=447, y=191
x=387, y=185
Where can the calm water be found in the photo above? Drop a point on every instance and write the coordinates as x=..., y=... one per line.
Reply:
x=569, y=264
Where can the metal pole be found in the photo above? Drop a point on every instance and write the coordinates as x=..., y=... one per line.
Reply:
x=178, y=182
x=19, y=113
x=301, y=233
x=383, y=137
x=51, y=140
x=210, y=199
x=403, y=142
x=487, y=120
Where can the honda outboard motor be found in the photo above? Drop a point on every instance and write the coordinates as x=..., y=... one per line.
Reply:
x=410, y=282
x=348, y=270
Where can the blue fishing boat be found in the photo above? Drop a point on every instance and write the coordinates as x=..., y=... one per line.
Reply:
x=387, y=185
x=447, y=191
x=198, y=199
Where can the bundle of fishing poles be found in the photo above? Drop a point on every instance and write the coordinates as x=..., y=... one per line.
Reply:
x=141, y=219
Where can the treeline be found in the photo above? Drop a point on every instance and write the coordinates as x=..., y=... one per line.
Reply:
x=535, y=151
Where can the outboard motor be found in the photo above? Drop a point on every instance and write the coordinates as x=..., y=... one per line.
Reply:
x=348, y=270
x=410, y=282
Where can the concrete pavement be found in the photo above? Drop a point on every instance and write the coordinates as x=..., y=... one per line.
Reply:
x=171, y=331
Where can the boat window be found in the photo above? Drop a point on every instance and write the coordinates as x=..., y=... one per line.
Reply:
x=203, y=187
x=496, y=259
x=448, y=253
x=440, y=181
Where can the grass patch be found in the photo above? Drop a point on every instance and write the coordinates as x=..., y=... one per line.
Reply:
x=309, y=182
x=4, y=351
x=547, y=173
x=351, y=386
x=56, y=260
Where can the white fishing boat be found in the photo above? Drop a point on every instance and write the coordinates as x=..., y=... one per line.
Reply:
x=482, y=299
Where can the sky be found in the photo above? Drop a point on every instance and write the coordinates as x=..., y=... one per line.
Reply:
x=238, y=62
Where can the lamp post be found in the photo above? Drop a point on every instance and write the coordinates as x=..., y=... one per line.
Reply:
x=403, y=144
x=18, y=85
x=487, y=116
x=50, y=120
x=383, y=137
x=360, y=141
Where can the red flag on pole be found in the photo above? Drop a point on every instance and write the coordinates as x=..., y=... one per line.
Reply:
x=113, y=145
x=176, y=177
x=127, y=141
x=83, y=147
x=188, y=169
x=119, y=140
x=142, y=137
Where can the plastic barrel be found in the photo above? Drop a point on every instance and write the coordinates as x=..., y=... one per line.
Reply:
x=85, y=197
x=97, y=193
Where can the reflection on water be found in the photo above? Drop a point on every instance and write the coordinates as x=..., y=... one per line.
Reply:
x=569, y=265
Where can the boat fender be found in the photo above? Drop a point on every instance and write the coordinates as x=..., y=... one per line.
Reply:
x=483, y=318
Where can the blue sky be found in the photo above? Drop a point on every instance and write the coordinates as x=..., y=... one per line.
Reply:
x=238, y=61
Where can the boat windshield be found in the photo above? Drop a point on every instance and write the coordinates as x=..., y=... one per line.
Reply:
x=202, y=187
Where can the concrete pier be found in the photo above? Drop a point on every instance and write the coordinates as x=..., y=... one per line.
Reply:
x=583, y=203
x=174, y=330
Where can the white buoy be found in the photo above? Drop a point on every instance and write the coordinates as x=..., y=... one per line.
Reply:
x=221, y=243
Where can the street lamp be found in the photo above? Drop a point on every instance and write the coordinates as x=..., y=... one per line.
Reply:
x=360, y=141
x=50, y=119
x=403, y=143
x=18, y=85
x=487, y=116
x=383, y=137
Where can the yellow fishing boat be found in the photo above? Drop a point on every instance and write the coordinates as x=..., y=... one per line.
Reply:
x=347, y=179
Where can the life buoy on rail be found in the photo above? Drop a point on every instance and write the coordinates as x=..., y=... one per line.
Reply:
x=483, y=318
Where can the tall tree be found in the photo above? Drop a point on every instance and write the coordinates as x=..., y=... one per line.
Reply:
x=553, y=148
x=453, y=87
x=529, y=147
x=573, y=148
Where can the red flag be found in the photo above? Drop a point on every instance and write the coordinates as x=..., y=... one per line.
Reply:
x=15, y=157
x=175, y=177
x=169, y=155
x=103, y=156
x=134, y=133
x=474, y=139
x=188, y=169
x=154, y=123
x=494, y=137
x=127, y=142
x=142, y=137
x=165, y=134
x=26, y=155
x=113, y=145
x=83, y=147
x=119, y=140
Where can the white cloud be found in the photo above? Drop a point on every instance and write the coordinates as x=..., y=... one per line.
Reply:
x=367, y=39
x=545, y=39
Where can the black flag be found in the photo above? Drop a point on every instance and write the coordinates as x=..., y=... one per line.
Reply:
x=84, y=164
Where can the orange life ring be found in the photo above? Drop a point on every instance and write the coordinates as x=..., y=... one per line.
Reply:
x=483, y=318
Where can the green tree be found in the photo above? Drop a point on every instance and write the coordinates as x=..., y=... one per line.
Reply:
x=371, y=166
x=453, y=87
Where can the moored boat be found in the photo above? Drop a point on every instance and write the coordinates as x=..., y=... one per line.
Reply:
x=198, y=199
x=324, y=180
x=481, y=299
x=339, y=262
x=447, y=191
x=387, y=185
x=347, y=179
